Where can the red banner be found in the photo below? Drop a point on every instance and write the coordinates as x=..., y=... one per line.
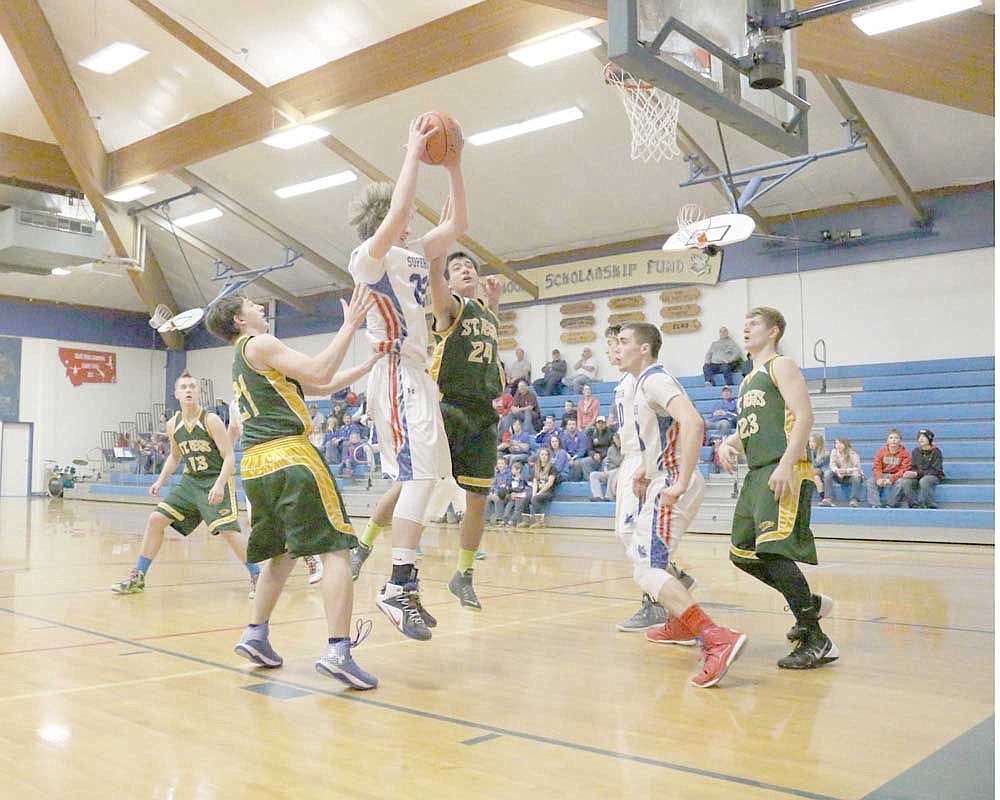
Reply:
x=89, y=366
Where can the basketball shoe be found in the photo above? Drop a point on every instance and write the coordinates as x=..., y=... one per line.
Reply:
x=687, y=581
x=720, y=648
x=813, y=649
x=460, y=585
x=315, y=566
x=254, y=646
x=359, y=555
x=401, y=604
x=135, y=583
x=825, y=605
x=673, y=632
x=650, y=615
x=338, y=662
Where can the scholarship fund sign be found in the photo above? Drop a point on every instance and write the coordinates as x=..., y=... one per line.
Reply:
x=89, y=366
x=10, y=378
x=626, y=271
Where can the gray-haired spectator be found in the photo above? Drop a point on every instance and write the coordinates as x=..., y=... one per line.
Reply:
x=724, y=356
x=584, y=371
x=518, y=370
x=925, y=472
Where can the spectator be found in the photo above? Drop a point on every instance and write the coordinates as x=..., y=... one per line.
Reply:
x=821, y=463
x=333, y=440
x=577, y=446
x=558, y=457
x=518, y=497
x=519, y=370
x=552, y=375
x=161, y=426
x=891, y=461
x=543, y=487
x=845, y=468
x=355, y=452
x=584, y=371
x=502, y=405
x=317, y=417
x=601, y=436
x=722, y=417
x=525, y=408
x=518, y=446
x=724, y=356
x=547, y=431
x=926, y=471
x=604, y=482
x=222, y=410
x=588, y=409
x=497, y=498
x=569, y=413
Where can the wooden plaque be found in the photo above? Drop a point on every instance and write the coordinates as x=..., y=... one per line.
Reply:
x=577, y=322
x=507, y=344
x=628, y=301
x=681, y=326
x=680, y=295
x=581, y=307
x=626, y=316
x=508, y=329
x=577, y=337
x=507, y=316
x=686, y=310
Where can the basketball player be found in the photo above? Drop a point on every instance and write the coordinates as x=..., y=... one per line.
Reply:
x=402, y=397
x=669, y=432
x=297, y=510
x=206, y=492
x=650, y=614
x=771, y=523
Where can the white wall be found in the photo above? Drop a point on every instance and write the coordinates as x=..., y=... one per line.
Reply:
x=68, y=419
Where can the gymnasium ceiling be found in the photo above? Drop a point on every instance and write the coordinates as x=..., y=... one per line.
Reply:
x=557, y=190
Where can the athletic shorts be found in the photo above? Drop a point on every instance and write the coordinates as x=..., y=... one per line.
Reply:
x=658, y=528
x=762, y=525
x=472, y=440
x=626, y=503
x=187, y=507
x=296, y=506
x=403, y=403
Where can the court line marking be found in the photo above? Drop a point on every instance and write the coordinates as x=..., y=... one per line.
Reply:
x=112, y=685
x=486, y=737
x=431, y=715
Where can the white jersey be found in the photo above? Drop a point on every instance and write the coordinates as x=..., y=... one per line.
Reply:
x=625, y=413
x=656, y=430
x=396, y=323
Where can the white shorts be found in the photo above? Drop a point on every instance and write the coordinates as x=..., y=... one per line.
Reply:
x=626, y=503
x=658, y=528
x=403, y=403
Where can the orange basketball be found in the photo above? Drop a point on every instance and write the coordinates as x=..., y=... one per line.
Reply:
x=445, y=144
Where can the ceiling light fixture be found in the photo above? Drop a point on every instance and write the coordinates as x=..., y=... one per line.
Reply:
x=294, y=137
x=130, y=193
x=570, y=114
x=194, y=219
x=556, y=47
x=109, y=60
x=903, y=13
x=337, y=179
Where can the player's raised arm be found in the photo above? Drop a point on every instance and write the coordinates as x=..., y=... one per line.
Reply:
x=220, y=436
x=454, y=222
x=444, y=305
x=345, y=377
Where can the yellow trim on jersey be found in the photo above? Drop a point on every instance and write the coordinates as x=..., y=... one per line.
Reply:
x=296, y=451
x=788, y=507
x=480, y=482
x=233, y=510
x=177, y=515
x=280, y=383
x=195, y=424
x=749, y=555
x=442, y=338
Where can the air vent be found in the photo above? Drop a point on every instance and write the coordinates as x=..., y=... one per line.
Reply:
x=56, y=222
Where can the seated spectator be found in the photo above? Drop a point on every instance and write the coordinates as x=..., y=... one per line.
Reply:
x=552, y=375
x=925, y=472
x=317, y=417
x=569, y=413
x=333, y=440
x=355, y=452
x=588, y=409
x=724, y=356
x=584, y=371
x=517, y=447
x=497, y=498
x=845, y=469
x=547, y=431
x=502, y=405
x=722, y=416
x=543, y=487
x=577, y=446
x=518, y=496
x=604, y=481
x=161, y=425
x=525, y=408
x=519, y=370
x=821, y=463
x=891, y=461
x=558, y=457
x=601, y=436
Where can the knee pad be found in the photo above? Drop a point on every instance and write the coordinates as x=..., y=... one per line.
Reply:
x=650, y=579
x=413, y=499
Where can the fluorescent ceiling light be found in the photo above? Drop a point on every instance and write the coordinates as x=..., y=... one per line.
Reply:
x=114, y=57
x=528, y=126
x=293, y=137
x=130, y=193
x=194, y=219
x=902, y=13
x=556, y=47
x=60, y=271
x=337, y=179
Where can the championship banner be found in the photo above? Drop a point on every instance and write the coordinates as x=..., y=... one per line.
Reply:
x=632, y=270
x=89, y=366
x=10, y=379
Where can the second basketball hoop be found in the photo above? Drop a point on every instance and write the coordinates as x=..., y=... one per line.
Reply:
x=695, y=231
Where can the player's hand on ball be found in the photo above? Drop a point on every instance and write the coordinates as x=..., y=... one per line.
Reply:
x=780, y=481
x=420, y=131
x=671, y=494
x=727, y=457
x=215, y=494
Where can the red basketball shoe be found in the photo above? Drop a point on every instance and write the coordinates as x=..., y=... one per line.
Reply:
x=672, y=632
x=721, y=647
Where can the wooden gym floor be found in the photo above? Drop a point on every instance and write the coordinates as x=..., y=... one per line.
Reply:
x=538, y=696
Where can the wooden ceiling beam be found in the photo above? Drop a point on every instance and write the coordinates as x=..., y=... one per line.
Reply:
x=40, y=61
x=470, y=36
x=32, y=162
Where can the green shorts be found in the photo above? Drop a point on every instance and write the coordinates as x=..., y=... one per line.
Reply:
x=763, y=525
x=472, y=439
x=187, y=507
x=295, y=507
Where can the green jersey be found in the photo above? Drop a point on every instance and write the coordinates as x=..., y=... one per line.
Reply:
x=466, y=363
x=764, y=421
x=271, y=405
x=199, y=452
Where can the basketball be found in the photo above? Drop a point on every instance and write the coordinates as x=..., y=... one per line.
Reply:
x=445, y=144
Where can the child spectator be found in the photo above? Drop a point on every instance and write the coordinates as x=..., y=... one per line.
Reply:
x=569, y=413
x=821, y=463
x=543, y=487
x=588, y=409
x=499, y=489
x=558, y=457
x=926, y=471
x=518, y=497
x=845, y=469
x=891, y=461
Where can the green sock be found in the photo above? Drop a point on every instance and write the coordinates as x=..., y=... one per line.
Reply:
x=466, y=559
x=372, y=530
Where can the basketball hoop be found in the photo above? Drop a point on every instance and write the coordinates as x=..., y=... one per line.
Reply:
x=160, y=315
x=687, y=221
x=652, y=115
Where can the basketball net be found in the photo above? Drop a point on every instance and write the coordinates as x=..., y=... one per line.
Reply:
x=687, y=221
x=652, y=115
x=160, y=315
